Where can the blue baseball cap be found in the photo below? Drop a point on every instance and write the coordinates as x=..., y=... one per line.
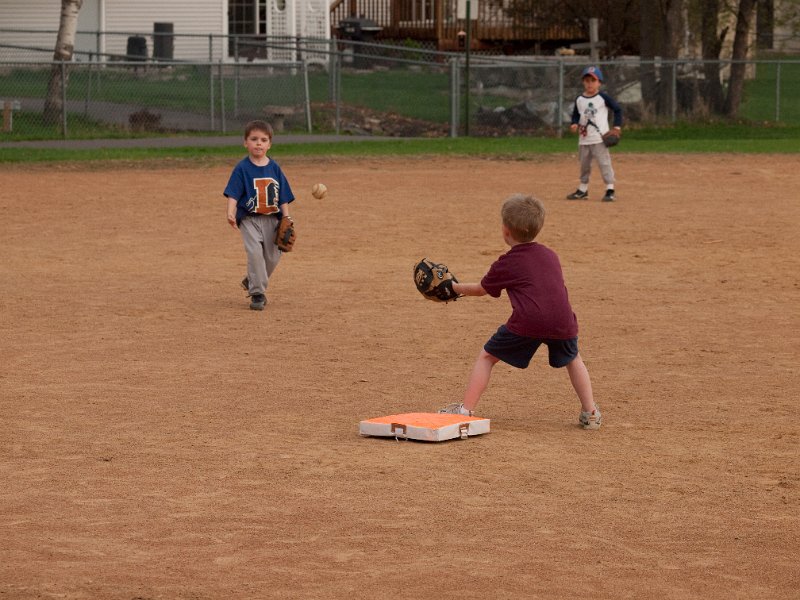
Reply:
x=594, y=72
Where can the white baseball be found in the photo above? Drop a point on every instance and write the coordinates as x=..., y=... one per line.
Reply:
x=319, y=191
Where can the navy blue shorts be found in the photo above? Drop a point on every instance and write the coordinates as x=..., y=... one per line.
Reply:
x=518, y=350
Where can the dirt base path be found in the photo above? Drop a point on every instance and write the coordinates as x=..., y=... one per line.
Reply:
x=161, y=440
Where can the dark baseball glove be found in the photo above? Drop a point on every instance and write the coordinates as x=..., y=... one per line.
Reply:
x=286, y=235
x=434, y=281
x=611, y=137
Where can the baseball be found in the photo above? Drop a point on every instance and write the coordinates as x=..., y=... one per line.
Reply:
x=319, y=190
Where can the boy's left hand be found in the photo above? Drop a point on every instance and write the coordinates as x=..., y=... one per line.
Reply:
x=435, y=281
x=285, y=236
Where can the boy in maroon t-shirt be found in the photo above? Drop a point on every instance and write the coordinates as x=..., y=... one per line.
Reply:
x=541, y=314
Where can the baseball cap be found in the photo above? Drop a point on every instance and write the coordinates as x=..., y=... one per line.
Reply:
x=594, y=72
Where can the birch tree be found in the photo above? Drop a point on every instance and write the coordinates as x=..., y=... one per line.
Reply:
x=65, y=45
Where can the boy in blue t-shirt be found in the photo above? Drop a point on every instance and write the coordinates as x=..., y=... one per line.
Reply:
x=258, y=199
x=541, y=313
x=591, y=114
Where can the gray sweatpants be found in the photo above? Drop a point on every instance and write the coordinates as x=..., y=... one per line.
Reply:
x=599, y=152
x=258, y=235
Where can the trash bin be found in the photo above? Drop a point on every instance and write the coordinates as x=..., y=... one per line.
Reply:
x=137, y=48
x=163, y=41
x=359, y=29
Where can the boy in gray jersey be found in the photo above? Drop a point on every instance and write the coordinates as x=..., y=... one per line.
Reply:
x=590, y=118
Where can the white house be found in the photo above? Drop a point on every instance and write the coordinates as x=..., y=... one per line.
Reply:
x=199, y=26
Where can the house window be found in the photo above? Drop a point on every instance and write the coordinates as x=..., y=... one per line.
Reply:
x=247, y=24
x=247, y=17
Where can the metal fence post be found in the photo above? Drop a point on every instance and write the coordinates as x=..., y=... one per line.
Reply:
x=331, y=70
x=64, y=98
x=454, y=98
x=211, y=94
x=674, y=91
x=308, y=95
x=210, y=47
x=778, y=92
x=560, y=102
x=467, y=48
x=88, y=87
x=236, y=77
x=338, y=85
x=221, y=97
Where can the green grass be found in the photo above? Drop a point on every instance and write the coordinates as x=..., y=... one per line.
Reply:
x=682, y=139
x=420, y=95
x=185, y=88
x=29, y=126
x=761, y=93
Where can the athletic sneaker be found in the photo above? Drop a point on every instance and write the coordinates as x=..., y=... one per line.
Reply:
x=609, y=197
x=246, y=284
x=591, y=420
x=456, y=409
x=578, y=195
x=258, y=301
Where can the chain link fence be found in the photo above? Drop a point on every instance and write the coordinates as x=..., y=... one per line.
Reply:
x=361, y=88
x=124, y=97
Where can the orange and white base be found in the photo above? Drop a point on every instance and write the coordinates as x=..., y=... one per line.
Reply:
x=425, y=427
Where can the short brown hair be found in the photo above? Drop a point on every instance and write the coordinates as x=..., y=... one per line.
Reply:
x=258, y=126
x=524, y=216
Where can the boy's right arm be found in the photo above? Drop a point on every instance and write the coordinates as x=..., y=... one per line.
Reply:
x=231, y=212
x=469, y=289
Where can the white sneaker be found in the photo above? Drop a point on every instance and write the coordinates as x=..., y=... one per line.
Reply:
x=591, y=420
x=457, y=408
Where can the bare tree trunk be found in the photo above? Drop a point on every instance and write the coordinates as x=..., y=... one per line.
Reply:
x=712, y=47
x=744, y=16
x=661, y=28
x=65, y=44
x=649, y=29
x=672, y=42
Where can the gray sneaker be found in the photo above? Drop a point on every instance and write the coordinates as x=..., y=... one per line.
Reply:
x=591, y=420
x=457, y=408
x=246, y=284
x=258, y=301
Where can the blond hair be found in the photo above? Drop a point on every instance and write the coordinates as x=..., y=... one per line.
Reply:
x=258, y=126
x=523, y=215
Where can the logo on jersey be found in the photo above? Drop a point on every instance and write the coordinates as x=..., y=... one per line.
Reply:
x=265, y=202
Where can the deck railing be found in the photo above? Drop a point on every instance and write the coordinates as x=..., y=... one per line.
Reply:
x=440, y=21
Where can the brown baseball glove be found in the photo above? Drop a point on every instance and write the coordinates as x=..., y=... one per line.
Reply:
x=286, y=235
x=434, y=281
x=611, y=137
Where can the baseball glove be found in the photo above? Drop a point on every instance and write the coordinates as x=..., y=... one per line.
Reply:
x=434, y=281
x=286, y=235
x=611, y=137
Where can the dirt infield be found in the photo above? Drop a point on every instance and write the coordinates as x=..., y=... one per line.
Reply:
x=161, y=440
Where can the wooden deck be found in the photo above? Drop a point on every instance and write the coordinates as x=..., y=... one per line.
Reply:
x=437, y=21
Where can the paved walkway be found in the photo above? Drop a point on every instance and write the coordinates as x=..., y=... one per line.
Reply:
x=177, y=142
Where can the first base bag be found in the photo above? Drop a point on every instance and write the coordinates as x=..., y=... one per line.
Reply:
x=425, y=427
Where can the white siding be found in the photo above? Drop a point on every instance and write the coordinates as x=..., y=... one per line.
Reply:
x=29, y=14
x=120, y=19
x=123, y=18
x=200, y=17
